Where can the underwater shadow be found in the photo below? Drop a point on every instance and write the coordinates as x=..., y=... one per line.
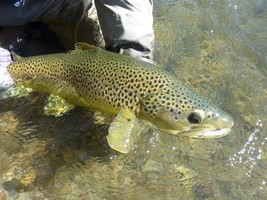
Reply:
x=44, y=144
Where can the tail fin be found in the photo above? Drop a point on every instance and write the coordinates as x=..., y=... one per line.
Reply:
x=15, y=56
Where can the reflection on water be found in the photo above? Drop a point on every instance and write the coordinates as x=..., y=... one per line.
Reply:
x=251, y=152
x=217, y=47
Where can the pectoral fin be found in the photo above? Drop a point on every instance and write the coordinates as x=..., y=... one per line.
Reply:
x=124, y=131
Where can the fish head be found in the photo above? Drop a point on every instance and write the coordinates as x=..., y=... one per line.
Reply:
x=182, y=112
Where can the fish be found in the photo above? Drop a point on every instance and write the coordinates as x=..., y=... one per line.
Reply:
x=139, y=94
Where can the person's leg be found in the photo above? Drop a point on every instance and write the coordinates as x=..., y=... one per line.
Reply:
x=63, y=16
x=18, y=13
x=21, y=12
x=127, y=26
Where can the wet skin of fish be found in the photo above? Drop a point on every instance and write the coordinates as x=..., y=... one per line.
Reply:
x=137, y=92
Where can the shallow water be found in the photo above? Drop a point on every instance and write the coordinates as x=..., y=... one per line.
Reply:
x=217, y=47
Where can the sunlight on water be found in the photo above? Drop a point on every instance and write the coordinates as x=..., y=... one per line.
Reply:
x=251, y=152
x=217, y=47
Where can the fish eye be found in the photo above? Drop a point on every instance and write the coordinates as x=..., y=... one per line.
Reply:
x=194, y=118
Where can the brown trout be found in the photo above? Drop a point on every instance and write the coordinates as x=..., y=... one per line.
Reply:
x=136, y=91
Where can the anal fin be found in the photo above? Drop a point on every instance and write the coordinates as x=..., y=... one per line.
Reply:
x=57, y=106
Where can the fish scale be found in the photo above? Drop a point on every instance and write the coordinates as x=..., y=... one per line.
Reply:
x=120, y=85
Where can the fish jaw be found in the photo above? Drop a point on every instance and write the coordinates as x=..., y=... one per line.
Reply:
x=209, y=128
x=213, y=134
x=198, y=120
x=218, y=129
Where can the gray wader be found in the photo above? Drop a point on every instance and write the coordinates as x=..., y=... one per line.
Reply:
x=127, y=25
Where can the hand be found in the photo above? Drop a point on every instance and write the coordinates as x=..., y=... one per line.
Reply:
x=5, y=78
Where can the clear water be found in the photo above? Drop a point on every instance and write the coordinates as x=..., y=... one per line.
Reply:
x=217, y=47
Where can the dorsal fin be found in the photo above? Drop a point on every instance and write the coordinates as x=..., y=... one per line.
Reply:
x=15, y=56
x=79, y=47
x=84, y=46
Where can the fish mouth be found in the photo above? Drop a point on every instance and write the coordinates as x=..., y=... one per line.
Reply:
x=208, y=134
x=218, y=133
x=223, y=128
x=208, y=130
